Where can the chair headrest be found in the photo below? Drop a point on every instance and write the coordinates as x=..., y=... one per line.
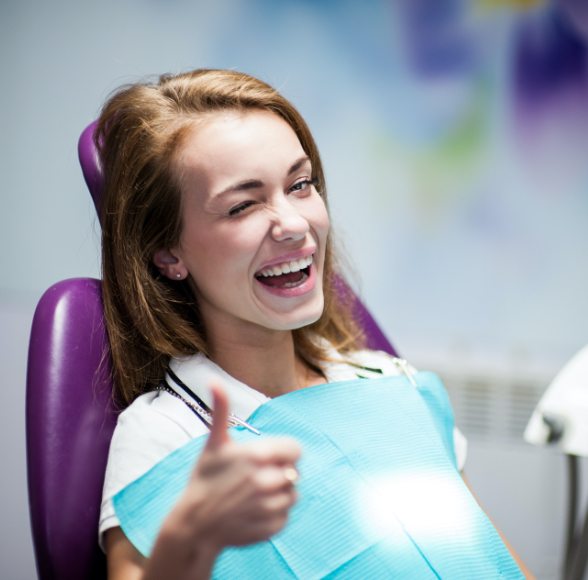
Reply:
x=91, y=165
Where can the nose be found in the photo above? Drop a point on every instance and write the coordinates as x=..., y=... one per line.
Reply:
x=288, y=223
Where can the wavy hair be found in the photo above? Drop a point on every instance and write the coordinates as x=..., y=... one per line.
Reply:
x=149, y=318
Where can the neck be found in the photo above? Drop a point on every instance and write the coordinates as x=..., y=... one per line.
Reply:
x=267, y=363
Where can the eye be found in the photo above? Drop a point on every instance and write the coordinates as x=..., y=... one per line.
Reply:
x=304, y=184
x=236, y=210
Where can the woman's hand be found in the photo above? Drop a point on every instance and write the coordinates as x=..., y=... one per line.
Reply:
x=241, y=493
x=238, y=494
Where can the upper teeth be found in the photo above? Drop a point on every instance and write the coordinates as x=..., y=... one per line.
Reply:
x=287, y=267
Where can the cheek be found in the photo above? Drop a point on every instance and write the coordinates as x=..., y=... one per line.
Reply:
x=320, y=218
x=226, y=251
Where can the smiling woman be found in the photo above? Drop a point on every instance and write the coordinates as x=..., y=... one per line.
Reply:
x=186, y=160
x=220, y=303
x=249, y=209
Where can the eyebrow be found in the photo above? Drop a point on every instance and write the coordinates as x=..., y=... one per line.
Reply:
x=256, y=183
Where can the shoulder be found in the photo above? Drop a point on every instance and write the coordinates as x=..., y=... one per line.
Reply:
x=153, y=426
x=373, y=363
x=387, y=364
x=156, y=416
x=363, y=364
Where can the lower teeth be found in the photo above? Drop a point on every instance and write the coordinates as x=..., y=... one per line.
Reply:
x=294, y=284
x=287, y=284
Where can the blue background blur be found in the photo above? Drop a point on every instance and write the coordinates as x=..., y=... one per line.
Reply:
x=455, y=140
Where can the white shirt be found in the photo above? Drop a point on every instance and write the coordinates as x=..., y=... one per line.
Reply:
x=157, y=423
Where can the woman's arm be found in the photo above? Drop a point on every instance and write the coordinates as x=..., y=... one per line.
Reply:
x=171, y=558
x=528, y=574
x=238, y=494
x=124, y=561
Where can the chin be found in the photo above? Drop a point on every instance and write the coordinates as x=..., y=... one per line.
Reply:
x=301, y=320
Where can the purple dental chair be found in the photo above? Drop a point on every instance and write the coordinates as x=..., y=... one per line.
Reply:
x=70, y=415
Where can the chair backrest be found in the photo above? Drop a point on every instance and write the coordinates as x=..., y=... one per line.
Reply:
x=69, y=423
x=70, y=415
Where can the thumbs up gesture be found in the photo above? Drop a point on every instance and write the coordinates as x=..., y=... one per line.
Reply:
x=240, y=493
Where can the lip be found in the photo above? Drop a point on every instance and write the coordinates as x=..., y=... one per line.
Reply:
x=289, y=257
x=307, y=286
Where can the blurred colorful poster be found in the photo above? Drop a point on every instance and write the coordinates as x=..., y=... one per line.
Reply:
x=455, y=139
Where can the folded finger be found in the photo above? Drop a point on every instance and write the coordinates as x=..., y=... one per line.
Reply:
x=274, y=478
x=279, y=503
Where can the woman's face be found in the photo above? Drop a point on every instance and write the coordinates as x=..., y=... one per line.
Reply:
x=254, y=228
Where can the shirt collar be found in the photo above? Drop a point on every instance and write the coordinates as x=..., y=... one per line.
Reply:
x=198, y=372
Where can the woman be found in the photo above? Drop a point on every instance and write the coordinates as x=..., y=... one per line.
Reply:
x=220, y=304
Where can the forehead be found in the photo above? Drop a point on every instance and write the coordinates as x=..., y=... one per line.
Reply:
x=232, y=145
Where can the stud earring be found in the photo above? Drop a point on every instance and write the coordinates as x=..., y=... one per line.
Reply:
x=178, y=275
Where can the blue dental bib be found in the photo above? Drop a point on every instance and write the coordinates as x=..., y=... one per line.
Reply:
x=379, y=492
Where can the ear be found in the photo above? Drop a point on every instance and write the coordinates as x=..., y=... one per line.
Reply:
x=169, y=265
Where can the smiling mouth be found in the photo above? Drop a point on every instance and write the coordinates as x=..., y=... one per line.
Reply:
x=286, y=275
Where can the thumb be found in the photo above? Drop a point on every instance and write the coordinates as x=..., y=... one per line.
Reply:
x=220, y=414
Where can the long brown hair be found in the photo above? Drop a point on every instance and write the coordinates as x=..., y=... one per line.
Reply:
x=149, y=318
